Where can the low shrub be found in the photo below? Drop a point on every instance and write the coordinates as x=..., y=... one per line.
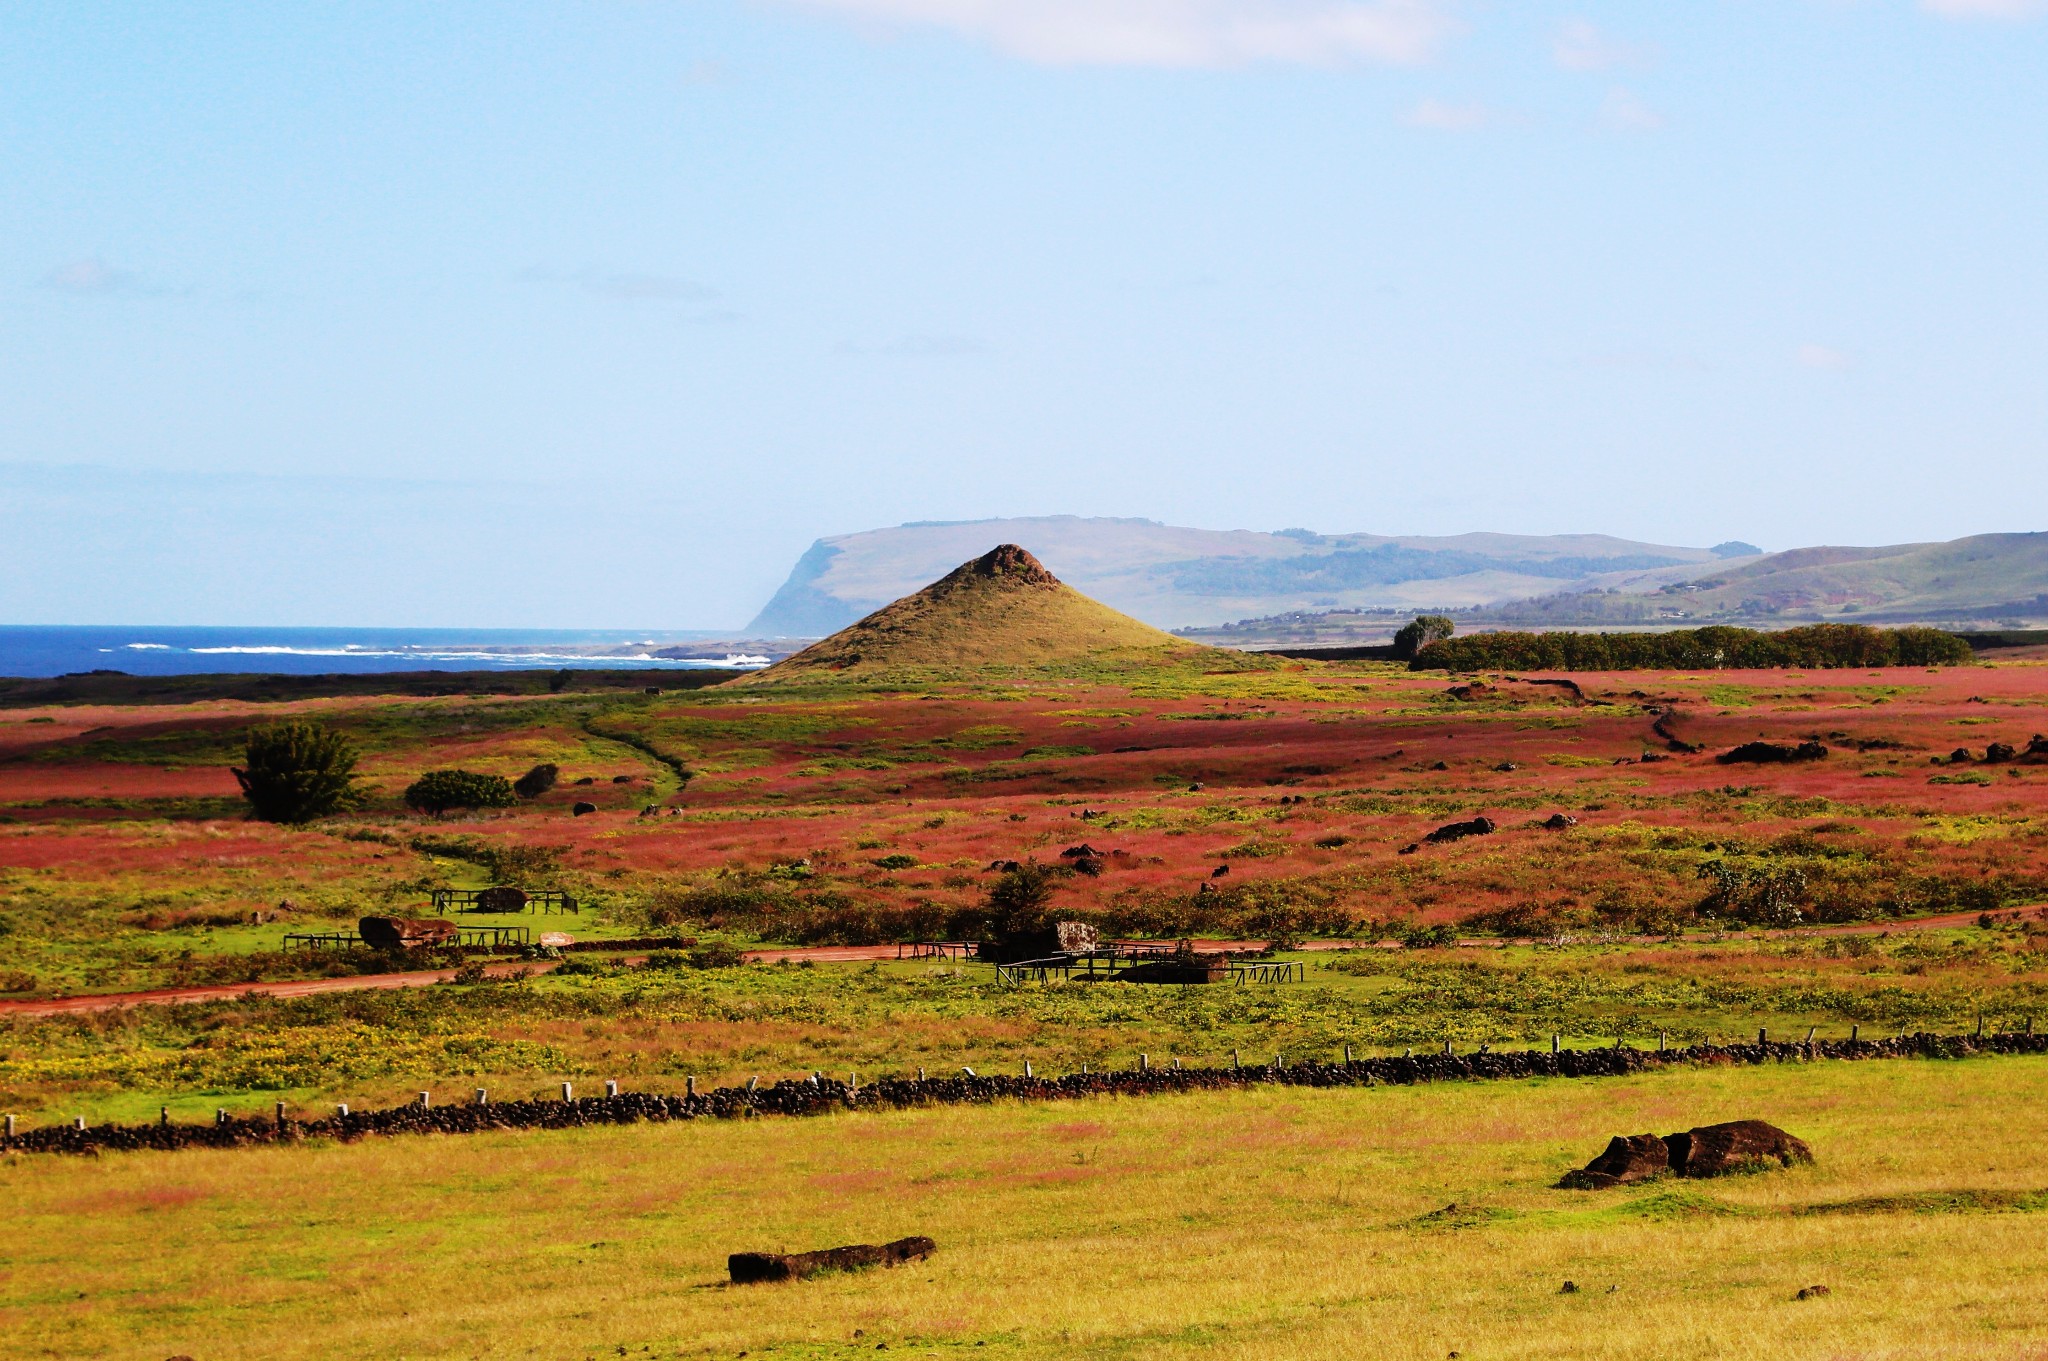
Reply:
x=437, y=791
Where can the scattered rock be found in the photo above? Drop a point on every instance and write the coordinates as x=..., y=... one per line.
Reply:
x=1771, y=753
x=1812, y=1292
x=747, y=1268
x=1457, y=831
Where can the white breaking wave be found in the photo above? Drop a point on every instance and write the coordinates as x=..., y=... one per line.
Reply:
x=734, y=661
x=147, y=647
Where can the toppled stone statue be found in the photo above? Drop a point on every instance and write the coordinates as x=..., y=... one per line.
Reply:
x=746, y=1268
x=1456, y=831
x=1772, y=753
x=1708, y=1151
x=406, y=933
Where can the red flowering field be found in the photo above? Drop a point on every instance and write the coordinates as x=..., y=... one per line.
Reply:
x=1276, y=802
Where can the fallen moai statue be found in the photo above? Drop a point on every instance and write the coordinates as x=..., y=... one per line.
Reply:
x=1708, y=1151
x=1457, y=831
x=1772, y=753
x=747, y=1268
x=1183, y=966
x=406, y=933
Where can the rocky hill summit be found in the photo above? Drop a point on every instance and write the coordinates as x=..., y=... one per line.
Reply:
x=1001, y=611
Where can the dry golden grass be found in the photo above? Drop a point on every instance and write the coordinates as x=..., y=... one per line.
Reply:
x=1269, y=1224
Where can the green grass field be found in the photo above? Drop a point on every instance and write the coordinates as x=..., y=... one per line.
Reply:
x=1406, y=1223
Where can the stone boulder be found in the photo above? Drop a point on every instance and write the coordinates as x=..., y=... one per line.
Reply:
x=747, y=1268
x=1737, y=1146
x=407, y=933
x=1629, y=1158
x=1458, y=831
x=1708, y=1151
x=1772, y=753
x=503, y=898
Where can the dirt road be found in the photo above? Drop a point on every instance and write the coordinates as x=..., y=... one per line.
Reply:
x=821, y=954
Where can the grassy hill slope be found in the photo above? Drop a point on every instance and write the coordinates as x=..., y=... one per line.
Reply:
x=1003, y=610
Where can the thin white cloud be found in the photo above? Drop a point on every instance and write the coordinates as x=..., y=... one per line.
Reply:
x=1177, y=33
x=1985, y=9
x=1822, y=357
x=93, y=275
x=1438, y=116
x=1580, y=46
x=1624, y=112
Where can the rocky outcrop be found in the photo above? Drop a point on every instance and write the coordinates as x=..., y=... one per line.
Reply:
x=748, y=1268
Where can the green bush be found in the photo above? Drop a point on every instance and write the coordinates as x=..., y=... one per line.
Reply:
x=1426, y=629
x=295, y=772
x=439, y=790
x=1819, y=646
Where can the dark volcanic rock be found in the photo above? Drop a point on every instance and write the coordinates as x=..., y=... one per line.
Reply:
x=1769, y=753
x=747, y=1268
x=1737, y=1146
x=1457, y=831
x=1709, y=1151
x=1629, y=1157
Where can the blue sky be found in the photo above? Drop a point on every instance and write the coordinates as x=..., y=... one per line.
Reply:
x=596, y=314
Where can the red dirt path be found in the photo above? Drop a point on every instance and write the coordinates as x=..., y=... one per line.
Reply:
x=821, y=954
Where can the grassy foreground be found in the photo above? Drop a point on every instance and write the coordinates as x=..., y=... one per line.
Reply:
x=1262, y=1224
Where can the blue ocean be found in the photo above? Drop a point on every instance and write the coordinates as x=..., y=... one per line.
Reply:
x=36, y=651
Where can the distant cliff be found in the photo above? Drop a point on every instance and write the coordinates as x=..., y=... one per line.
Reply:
x=1173, y=577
